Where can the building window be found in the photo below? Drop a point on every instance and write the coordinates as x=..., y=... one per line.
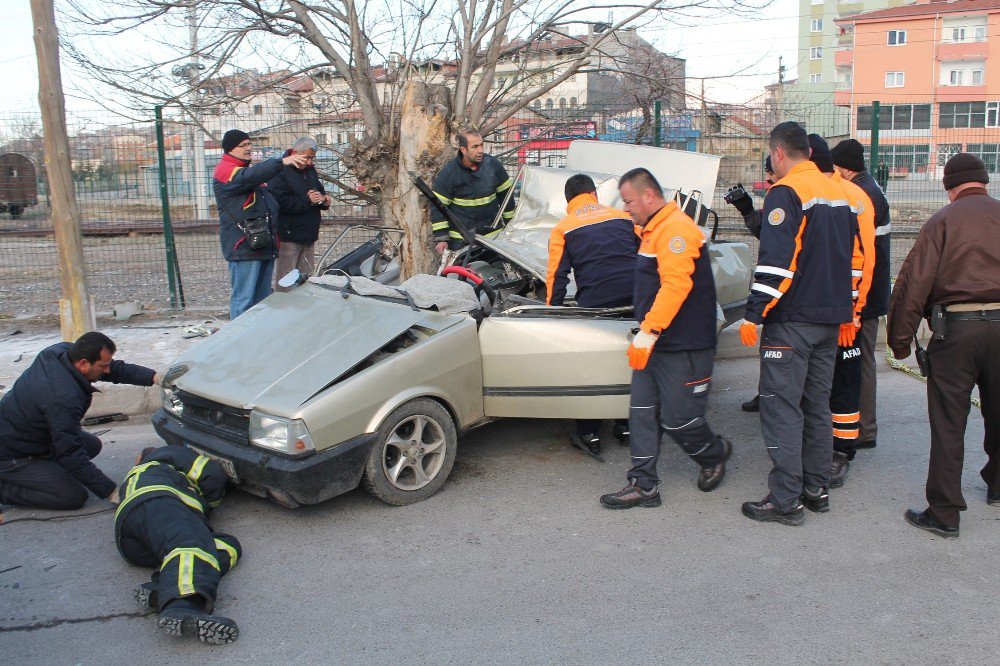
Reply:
x=894, y=79
x=946, y=151
x=898, y=117
x=548, y=103
x=980, y=33
x=958, y=34
x=538, y=104
x=321, y=139
x=907, y=159
x=962, y=114
x=562, y=102
x=977, y=77
x=989, y=153
x=896, y=38
x=815, y=78
x=572, y=102
x=993, y=114
x=816, y=53
x=258, y=109
x=816, y=25
x=955, y=77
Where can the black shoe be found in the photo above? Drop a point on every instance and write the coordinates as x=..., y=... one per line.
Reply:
x=870, y=444
x=710, y=477
x=766, y=512
x=816, y=500
x=992, y=496
x=923, y=520
x=630, y=496
x=622, y=433
x=751, y=405
x=145, y=597
x=838, y=469
x=181, y=619
x=589, y=444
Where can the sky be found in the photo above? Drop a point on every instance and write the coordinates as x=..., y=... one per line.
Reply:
x=715, y=48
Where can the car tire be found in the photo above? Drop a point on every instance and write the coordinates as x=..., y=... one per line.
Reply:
x=404, y=467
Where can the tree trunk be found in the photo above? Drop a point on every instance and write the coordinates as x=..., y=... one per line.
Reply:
x=423, y=142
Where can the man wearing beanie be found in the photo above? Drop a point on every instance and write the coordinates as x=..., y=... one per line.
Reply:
x=849, y=161
x=845, y=395
x=801, y=293
x=247, y=219
x=953, y=266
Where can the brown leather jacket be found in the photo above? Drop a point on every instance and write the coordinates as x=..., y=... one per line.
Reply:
x=955, y=259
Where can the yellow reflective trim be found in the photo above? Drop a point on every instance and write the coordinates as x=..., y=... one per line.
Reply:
x=233, y=557
x=504, y=185
x=131, y=493
x=445, y=200
x=492, y=233
x=139, y=469
x=508, y=214
x=455, y=234
x=194, y=474
x=438, y=226
x=185, y=574
x=475, y=202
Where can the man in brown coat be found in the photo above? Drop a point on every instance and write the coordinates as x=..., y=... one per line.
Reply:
x=953, y=264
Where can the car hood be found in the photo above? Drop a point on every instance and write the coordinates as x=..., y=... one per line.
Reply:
x=292, y=345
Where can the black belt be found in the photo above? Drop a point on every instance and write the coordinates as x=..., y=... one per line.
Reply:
x=974, y=315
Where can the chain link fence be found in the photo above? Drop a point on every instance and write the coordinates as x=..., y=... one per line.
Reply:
x=117, y=177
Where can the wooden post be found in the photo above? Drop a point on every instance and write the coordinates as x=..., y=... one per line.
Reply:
x=76, y=313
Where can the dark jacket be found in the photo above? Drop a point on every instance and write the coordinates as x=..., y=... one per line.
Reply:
x=40, y=415
x=473, y=197
x=176, y=472
x=878, y=295
x=240, y=195
x=674, y=287
x=598, y=244
x=298, y=218
x=803, y=268
x=954, y=260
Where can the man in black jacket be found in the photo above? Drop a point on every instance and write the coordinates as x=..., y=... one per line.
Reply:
x=45, y=456
x=301, y=197
x=162, y=523
x=244, y=203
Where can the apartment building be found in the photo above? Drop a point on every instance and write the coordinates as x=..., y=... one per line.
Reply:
x=934, y=67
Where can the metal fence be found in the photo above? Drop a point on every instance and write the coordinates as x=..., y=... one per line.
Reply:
x=117, y=178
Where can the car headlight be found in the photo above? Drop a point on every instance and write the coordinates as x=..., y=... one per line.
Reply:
x=171, y=403
x=288, y=436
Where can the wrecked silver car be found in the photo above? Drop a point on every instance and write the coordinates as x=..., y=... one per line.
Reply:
x=351, y=379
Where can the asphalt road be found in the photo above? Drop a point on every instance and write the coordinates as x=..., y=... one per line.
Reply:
x=515, y=562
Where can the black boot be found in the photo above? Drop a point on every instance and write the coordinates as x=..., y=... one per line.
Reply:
x=710, y=477
x=816, y=500
x=751, y=405
x=186, y=617
x=145, y=597
x=621, y=432
x=766, y=512
x=589, y=444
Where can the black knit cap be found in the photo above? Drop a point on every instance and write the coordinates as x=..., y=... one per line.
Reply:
x=849, y=154
x=820, y=153
x=964, y=168
x=233, y=138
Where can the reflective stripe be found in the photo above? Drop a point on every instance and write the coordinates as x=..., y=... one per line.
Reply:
x=194, y=474
x=131, y=493
x=509, y=214
x=647, y=255
x=845, y=434
x=455, y=234
x=492, y=233
x=854, y=294
x=774, y=270
x=856, y=273
x=139, y=469
x=474, y=202
x=847, y=418
x=504, y=185
x=833, y=203
x=764, y=289
x=185, y=567
x=884, y=230
x=445, y=200
x=233, y=556
x=438, y=226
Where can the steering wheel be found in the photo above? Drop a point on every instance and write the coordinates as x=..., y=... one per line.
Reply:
x=473, y=278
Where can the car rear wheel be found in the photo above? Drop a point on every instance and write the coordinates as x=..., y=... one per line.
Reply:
x=413, y=454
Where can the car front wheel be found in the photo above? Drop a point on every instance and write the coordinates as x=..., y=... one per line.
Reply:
x=413, y=454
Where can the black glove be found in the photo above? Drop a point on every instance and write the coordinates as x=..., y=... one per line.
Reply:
x=738, y=197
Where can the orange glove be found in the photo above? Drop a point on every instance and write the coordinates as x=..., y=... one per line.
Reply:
x=748, y=333
x=640, y=349
x=848, y=332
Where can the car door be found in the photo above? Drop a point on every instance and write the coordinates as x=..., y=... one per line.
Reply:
x=546, y=362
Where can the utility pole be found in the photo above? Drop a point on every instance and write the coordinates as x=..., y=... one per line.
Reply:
x=76, y=312
x=198, y=180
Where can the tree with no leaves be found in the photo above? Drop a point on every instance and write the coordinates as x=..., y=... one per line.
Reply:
x=380, y=50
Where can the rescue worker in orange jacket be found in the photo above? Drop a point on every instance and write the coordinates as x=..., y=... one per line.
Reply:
x=802, y=294
x=845, y=395
x=674, y=350
x=598, y=245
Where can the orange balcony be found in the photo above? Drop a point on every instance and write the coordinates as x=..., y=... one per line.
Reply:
x=962, y=50
x=960, y=93
x=843, y=58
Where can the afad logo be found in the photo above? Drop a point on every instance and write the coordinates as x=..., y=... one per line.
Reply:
x=774, y=354
x=853, y=352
